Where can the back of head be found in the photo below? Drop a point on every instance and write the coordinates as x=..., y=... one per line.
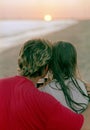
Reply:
x=34, y=55
x=64, y=59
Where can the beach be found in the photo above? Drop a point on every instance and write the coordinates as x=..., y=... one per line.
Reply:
x=78, y=34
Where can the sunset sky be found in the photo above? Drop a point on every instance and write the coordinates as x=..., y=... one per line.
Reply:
x=37, y=9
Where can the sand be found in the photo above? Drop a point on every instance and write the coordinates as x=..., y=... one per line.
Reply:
x=78, y=34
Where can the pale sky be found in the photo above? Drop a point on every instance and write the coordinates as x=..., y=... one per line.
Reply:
x=29, y=9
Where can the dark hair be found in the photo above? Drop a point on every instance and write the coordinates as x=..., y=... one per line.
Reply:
x=34, y=56
x=65, y=57
x=63, y=66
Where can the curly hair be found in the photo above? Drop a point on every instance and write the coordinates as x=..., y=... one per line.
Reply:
x=34, y=56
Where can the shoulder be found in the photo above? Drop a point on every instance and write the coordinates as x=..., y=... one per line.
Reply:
x=82, y=85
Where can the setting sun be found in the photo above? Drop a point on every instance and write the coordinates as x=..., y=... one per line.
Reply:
x=47, y=17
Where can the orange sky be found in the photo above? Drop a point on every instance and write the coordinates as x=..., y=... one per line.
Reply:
x=29, y=9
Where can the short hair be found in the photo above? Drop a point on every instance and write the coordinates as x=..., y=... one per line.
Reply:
x=33, y=56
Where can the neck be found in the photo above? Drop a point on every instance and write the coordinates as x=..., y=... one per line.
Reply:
x=34, y=80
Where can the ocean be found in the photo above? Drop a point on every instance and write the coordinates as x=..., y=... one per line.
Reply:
x=14, y=32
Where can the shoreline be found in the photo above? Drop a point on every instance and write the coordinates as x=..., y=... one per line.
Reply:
x=78, y=34
x=13, y=39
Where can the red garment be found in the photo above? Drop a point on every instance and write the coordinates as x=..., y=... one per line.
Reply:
x=24, y=107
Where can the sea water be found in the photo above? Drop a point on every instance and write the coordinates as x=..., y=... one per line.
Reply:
x=14, y=32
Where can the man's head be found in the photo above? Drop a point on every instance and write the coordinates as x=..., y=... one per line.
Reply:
x=34, y=56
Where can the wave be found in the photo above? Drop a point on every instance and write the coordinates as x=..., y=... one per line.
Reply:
x=14, y=32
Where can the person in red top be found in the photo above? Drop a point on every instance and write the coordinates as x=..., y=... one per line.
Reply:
x=23, y=106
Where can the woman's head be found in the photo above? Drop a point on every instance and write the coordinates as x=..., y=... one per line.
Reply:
x=64, y=59
x=34, y=56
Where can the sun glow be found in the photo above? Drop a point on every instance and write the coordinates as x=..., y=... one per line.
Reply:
x=47, y=17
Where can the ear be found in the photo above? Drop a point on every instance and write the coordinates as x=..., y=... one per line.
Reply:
x=46, y=68
x=45, y=71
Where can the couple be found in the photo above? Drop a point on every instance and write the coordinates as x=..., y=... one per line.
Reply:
x=24, y=107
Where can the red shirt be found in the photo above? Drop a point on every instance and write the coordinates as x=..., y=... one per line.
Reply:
x=24, y=107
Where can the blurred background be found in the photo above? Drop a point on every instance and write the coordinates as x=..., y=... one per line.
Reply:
x=67, y=20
